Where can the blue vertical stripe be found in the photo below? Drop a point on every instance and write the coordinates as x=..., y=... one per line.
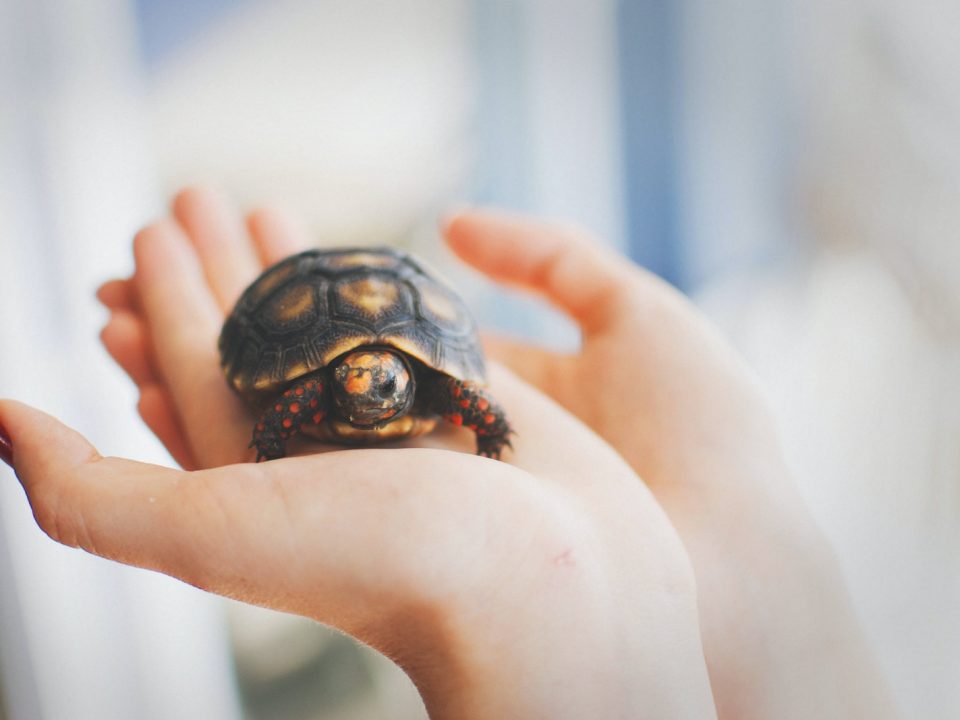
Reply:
x=648, y=36
x=165, y=25
x=503, y=159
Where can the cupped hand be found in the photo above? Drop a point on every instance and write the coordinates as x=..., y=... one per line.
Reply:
x=551, y=585
x=657, y=381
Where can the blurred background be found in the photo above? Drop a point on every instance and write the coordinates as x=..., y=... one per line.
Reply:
x=793, y=165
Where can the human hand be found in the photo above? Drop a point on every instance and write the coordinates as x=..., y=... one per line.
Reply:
x=656, y=380
x=549, y=586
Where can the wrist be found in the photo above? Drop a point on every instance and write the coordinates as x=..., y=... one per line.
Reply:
x=777, y=617
x=587, y=650
x=575, y=682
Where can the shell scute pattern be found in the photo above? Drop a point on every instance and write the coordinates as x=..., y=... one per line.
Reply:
x=443, y=309
x=373, y=300
x=268, y=369
x=268, y=282
x=313, y=307
x=292, y=307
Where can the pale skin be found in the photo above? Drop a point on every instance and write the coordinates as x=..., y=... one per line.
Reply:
x=779, y=633
x=479, y=577
x=549, y=586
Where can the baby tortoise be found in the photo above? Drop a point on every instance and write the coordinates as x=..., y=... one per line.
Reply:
x=357, y=346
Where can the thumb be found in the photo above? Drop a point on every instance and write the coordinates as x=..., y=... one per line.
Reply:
x=78, y=497
x=214, y=529
x=575, y=272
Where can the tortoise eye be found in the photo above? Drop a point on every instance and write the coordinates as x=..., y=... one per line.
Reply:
x=386, y=390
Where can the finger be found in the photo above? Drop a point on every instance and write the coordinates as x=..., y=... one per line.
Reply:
x=331, y=536
x=276, y=234
x=220, y=240
x=126, y=338
x=138, y=514
x=184, y=322
x=118, y=294
x=64, y=477
x=576, y=273
x=334, y=528
x=135, y=513
x=158, y=412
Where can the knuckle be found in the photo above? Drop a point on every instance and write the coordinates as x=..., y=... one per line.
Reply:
x=47, y=517
x=48, y=504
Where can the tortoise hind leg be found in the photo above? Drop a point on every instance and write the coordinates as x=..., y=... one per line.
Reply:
x=301, y=404
x=468, y=404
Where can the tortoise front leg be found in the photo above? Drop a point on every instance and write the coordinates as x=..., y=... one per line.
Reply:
x=468, y=404
x=301, y=404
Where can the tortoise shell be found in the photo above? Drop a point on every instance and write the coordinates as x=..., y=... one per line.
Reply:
x=311, y=308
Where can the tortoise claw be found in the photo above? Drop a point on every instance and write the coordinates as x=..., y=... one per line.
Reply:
x=492, y=446
x=268, y=447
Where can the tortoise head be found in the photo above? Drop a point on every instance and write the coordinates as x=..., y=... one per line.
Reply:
x=372, y=387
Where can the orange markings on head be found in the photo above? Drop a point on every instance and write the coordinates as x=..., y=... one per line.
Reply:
x=294, y=408
x=489, y=418
x=358, y=383
x=482, y=404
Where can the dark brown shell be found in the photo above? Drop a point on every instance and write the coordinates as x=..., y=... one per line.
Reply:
x=309, y=309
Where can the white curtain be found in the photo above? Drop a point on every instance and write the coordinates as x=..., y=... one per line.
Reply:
x=81, y=637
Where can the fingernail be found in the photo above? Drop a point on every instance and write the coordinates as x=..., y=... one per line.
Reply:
x=6, y=447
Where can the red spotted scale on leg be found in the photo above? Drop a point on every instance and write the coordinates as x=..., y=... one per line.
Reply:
x=468, y=404
x=300, y=404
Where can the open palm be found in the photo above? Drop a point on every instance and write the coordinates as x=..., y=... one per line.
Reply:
x=439, y=558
